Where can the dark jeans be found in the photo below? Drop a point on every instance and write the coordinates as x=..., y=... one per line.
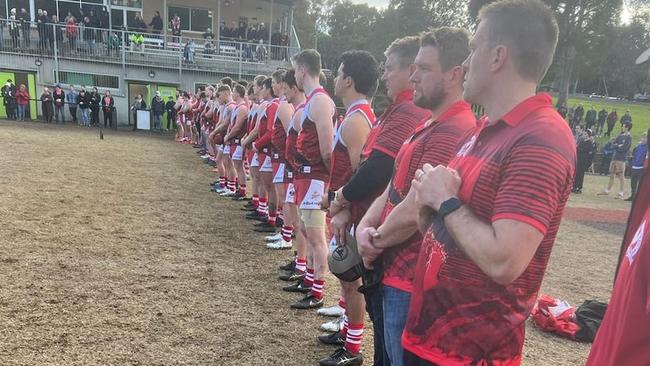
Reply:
x=108, y=119
x=604, y=165
x=413, y=360
x=609, y=130
x=635, y=179
x=94, y=116
x=581, y=168
x=170, y=120
x=73, y=113
x=396, y=307
x=375, y=308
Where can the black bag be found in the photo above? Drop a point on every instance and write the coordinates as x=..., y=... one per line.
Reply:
x=589, y=316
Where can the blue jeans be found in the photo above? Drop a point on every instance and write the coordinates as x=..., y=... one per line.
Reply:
x=374, y=305
x=396, y=308
x=21, y=112
x=85, y=116
x=157, y=121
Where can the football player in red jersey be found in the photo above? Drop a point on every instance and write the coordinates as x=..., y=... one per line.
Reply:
x=237, y=128
x=491, y=215
x=313, y=154
x=355, y=83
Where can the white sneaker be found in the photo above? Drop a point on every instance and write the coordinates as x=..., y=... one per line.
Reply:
x=332, y=326
x=205, y=156
x=273, y=238
x=280, y=244
x=621, y=195
x=227, y=193
x=335, y=310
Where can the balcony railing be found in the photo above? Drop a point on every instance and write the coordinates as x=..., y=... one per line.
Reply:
x=77, y=42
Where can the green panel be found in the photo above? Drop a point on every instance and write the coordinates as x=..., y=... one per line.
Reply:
x=31, y=80
x=3, y=79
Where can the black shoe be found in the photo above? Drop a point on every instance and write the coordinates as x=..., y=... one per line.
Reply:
x=254, y=216
x=342, y=357
x=297, y=287
x=292, y=276
x=262, y=218
x=307, y=302
x=266, y=229
x=289, y=266
x=334, y=339
x=629, y=199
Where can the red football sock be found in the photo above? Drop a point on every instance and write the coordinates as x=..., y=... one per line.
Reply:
x=317, y=289
x=309, y=278
x=286, y=233
x=222, y=182
x=262, y=209
x=353, y=338
x=272, y=217
x=242, y=189
x=232, y=185
x=344, y=328
x=256, y=200
x=301, y=264
x=342, y=302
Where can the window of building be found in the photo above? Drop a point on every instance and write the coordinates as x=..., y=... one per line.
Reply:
x=4, y=12
x=192, y=19
x=89, y=80
x=127, y=3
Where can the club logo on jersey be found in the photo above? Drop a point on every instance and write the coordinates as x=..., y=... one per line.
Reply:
x=635, y=245
x=467, y=147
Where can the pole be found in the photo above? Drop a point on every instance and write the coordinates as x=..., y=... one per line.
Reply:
x=166, y=24
x=271, y=27
x=180, y=69
x=240, y=64
x=110, y=19
x=218, y=25
x=56, y=54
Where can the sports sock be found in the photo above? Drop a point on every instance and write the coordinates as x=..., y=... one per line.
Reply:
x=286, y=233
x=301, y=264
x=242, y=189
x=353, y=338
x=272, y=217
x=309, y=278
x=317, y=289
x=256, y=200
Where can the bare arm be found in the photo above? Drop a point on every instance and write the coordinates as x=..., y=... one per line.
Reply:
x=400, y=224
x=285, y=112
x=239, y=123
x=251, y=136
x=322, y=114
x=355, y=133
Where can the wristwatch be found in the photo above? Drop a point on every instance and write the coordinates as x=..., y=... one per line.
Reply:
x=447, y=207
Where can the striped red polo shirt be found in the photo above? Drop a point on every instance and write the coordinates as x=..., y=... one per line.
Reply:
x=434, y=143
x=519, y=168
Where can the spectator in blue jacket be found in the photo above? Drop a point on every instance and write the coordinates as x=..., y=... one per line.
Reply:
x=639, y=155
x=72, y=98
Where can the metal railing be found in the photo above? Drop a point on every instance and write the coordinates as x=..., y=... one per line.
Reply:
x=131, y=47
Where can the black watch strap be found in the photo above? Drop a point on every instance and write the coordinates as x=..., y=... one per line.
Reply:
x=448, y=207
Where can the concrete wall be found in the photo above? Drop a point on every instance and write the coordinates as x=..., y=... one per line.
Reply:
x=131, y=74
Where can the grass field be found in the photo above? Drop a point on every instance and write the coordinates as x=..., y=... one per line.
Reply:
x=640, y=113
x=114, y=252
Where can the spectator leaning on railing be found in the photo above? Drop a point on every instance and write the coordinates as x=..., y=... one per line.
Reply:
x=59, y=103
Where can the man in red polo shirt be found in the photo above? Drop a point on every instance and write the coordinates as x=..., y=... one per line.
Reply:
x=438, y=79
x=624, y=335
x=395, y=125
x=492, y=214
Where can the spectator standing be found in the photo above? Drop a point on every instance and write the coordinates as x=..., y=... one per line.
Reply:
x=577, y=115
x=8, y=93
x=95, y=101
x=47, y=105
x=627, y=118
x=25, y=20
x=84, y=106
x=157, y=109
x=55, y=31
x=608, y=151
x=138, y=24
x=585, y=150
x=41, y=20
x=108, y=106
x=138, y=104
x=156, y=23
x=617, y=167
x=171, y=112
x=89, y=35
x=14, y=29
x=602, y=118
x=71, y=32
x=639, y=155
x=176, y=28
x=562, y=110
x=72, y=98
x=3, y=22
x=114, y=43
x=590, y=118
x=59, y=103
x=22, y=99
x=611, y=122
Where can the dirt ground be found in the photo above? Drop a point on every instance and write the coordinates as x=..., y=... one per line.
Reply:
x=114, y=252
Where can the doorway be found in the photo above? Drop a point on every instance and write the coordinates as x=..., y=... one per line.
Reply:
x=148, y=91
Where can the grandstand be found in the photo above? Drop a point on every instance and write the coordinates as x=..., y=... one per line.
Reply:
x=236, y=38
